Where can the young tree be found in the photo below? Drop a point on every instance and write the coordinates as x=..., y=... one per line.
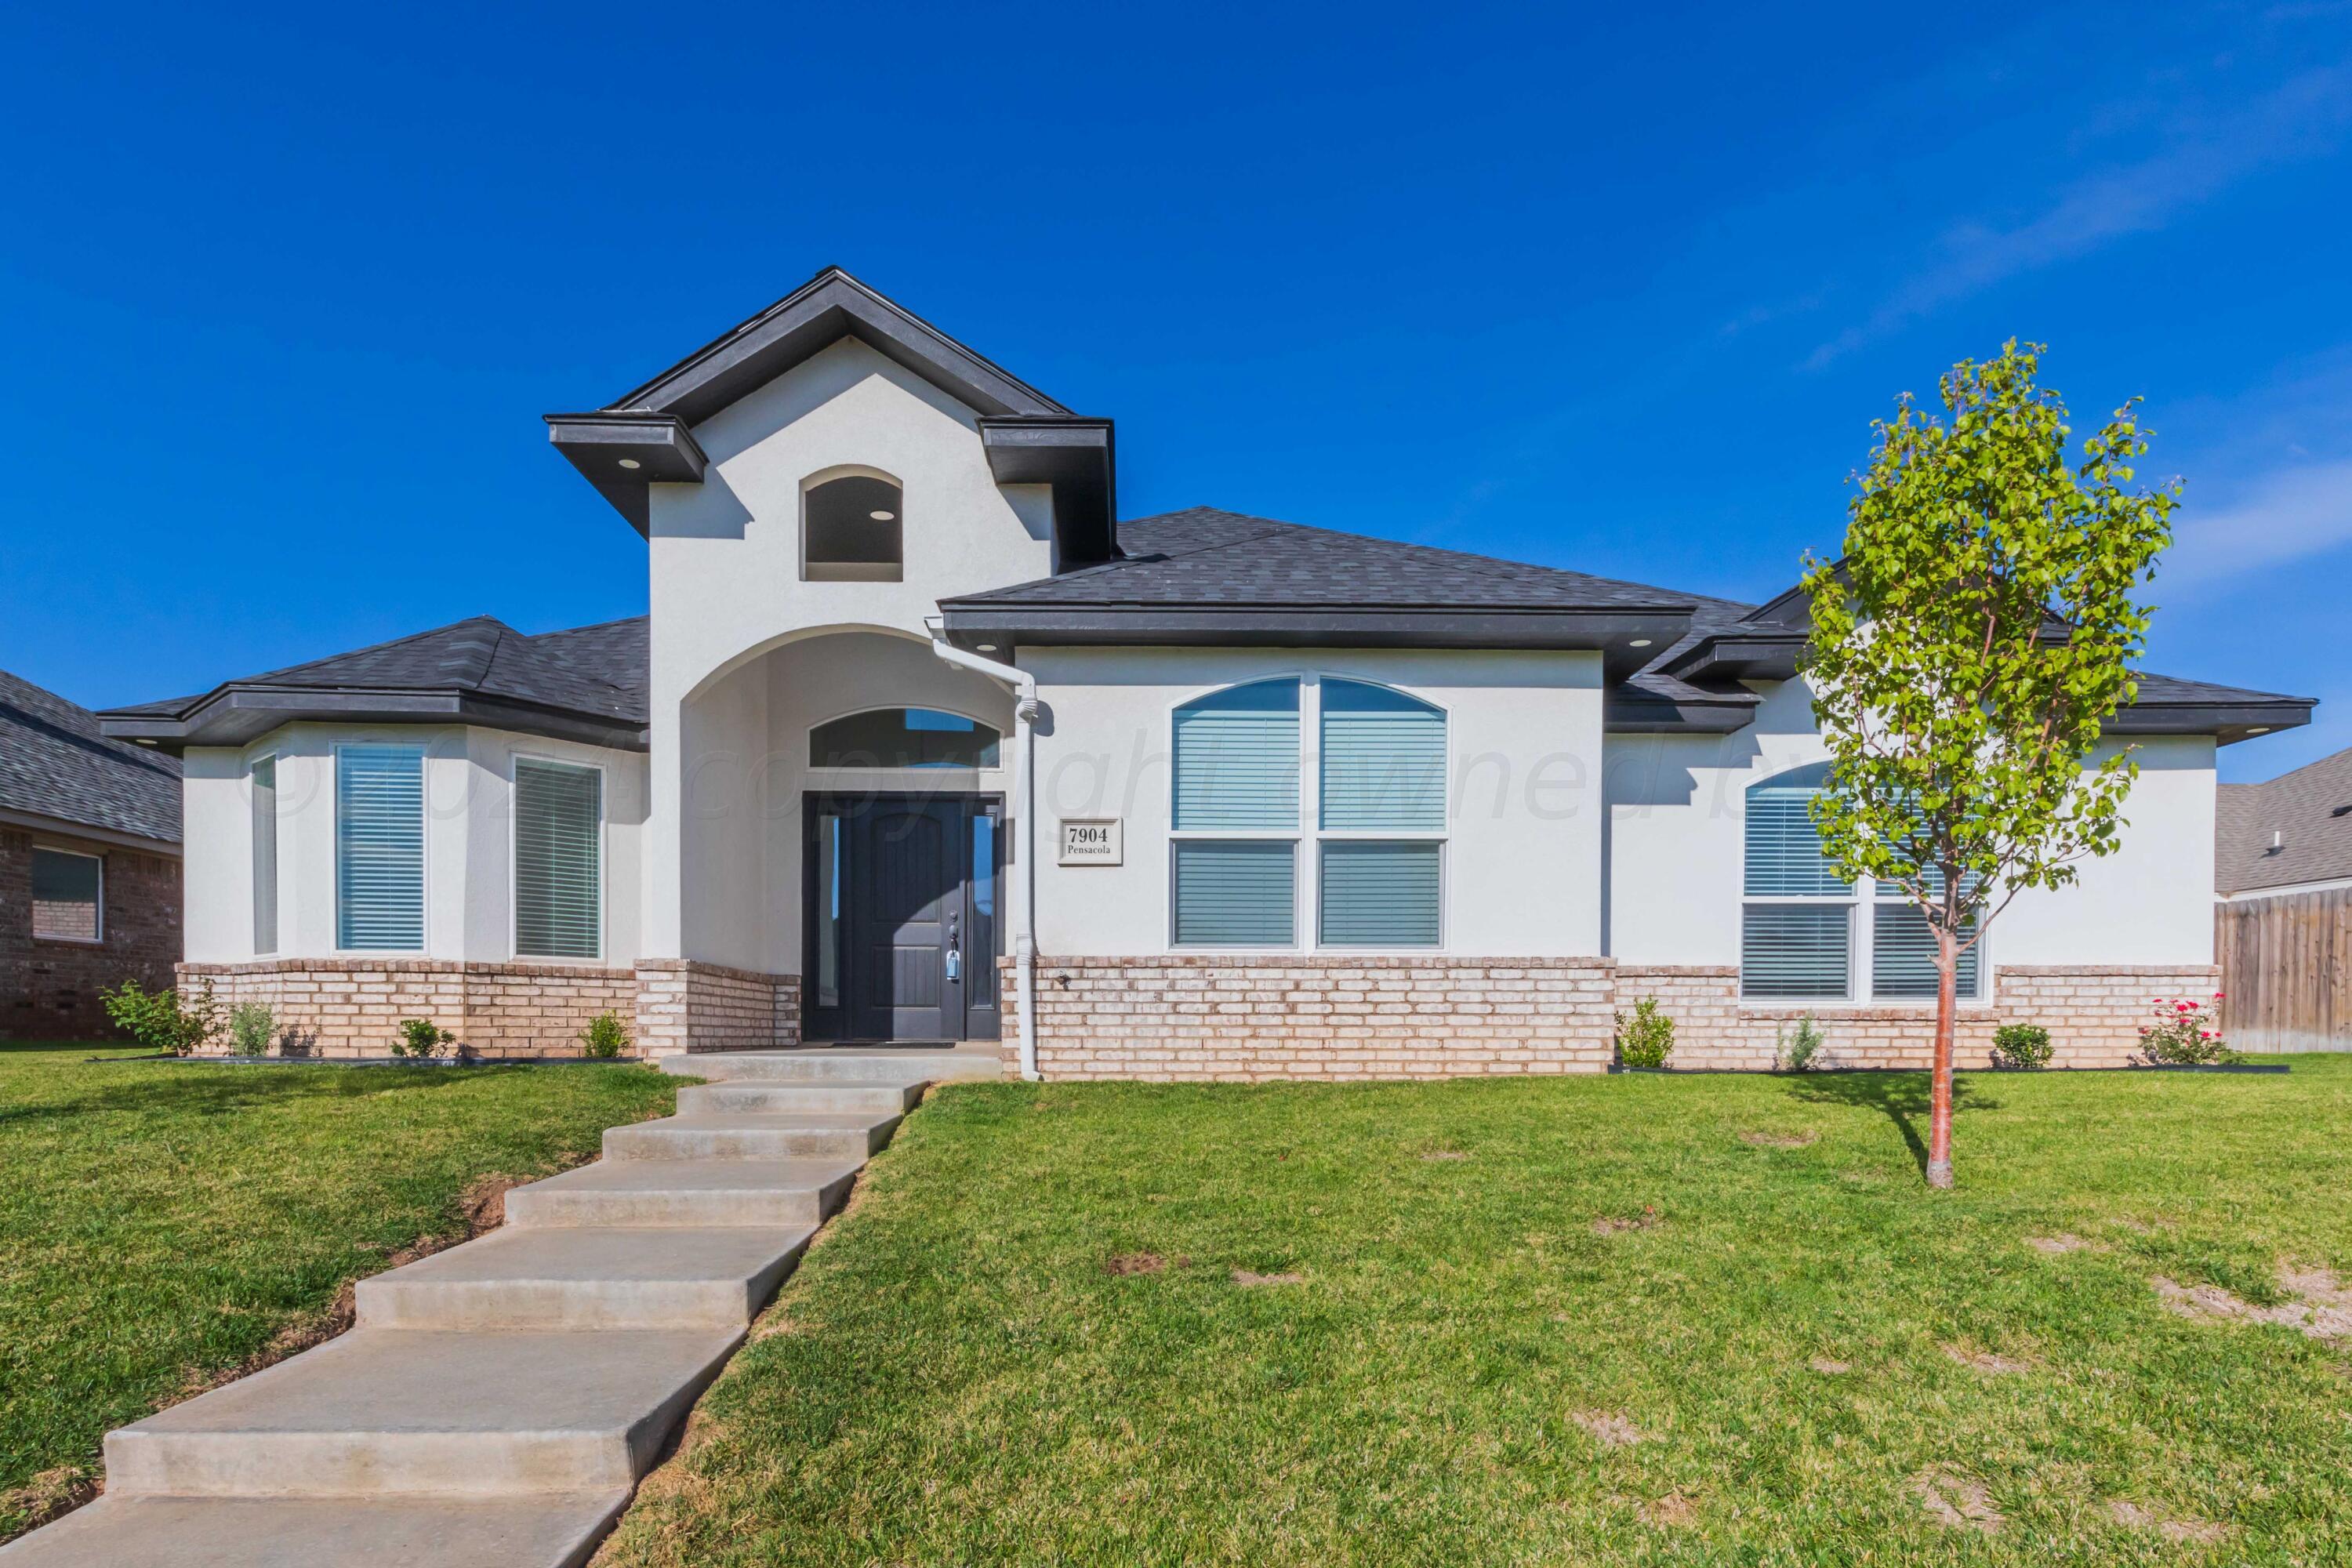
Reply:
x=1966, y=652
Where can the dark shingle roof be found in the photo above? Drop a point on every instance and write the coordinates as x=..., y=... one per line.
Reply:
x=2301, y=807
x=54, y=763
x=593, y=675
x=1204, y=556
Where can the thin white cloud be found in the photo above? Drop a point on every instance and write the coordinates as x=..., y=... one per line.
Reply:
x=2288, y=515
x=2303, y=117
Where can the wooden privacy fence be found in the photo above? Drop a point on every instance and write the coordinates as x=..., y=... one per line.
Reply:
x=2286, y=967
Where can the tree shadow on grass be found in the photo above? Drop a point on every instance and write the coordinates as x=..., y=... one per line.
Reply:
x=1902, y=1098
x=206, y=1091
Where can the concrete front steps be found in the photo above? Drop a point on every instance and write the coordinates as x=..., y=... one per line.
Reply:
x=495, y=1404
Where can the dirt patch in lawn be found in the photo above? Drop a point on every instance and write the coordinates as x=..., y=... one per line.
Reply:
x=1125, y=1263
x=1779, y=1140
x=2318, y=1308
x=1248, y=1280
x=2201, y=1532
x=1609, y=1428
x=2058, y=1245
x=1445, y=1155
x=1987, y=1362
x=50, y=1495
x=1827, y=1367
x=1956, y=1501
x=1617, y=1224
x=1672, y=1511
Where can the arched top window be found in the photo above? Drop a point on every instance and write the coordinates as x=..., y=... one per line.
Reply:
x=852, y=529
x=903, y=738
x=1784, y=848
x=1373, y=824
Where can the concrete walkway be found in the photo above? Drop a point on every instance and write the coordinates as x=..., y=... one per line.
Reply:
x=495, y=1405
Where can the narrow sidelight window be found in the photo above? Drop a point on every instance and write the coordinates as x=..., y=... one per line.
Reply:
x=559, y=848
x=69, y=896
x=265, y=854
x=379, y=848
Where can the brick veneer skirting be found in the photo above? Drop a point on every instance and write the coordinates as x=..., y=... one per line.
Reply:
x=2093, y=1012
x=686, y=1005
x=352, y=1006
x=1315, y=1016
x=1330, y=1018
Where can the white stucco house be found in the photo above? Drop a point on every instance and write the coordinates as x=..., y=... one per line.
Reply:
x=920, y=742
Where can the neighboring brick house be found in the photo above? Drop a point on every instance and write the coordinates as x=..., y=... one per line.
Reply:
x=90, y=865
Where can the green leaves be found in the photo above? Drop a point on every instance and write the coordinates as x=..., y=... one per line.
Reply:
x=1970, y=646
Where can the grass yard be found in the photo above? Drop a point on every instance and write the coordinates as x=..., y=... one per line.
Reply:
x=1623, y=1320
x=166, y=1223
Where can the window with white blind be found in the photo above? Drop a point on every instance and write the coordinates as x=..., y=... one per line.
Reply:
x=379, y=848
x=1236, y=772
x=1796, y=929
x=1377, y=810
x=559, y=859
x=69, y=896
x=1382, y=775
x=262, y=777
x=1805, y=934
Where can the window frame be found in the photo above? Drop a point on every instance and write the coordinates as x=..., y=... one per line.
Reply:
x=98, y=914
x=424, y=754
x=276, y=854
x=851, y=571
x=1862, y=900
x=1307, y=836
x=514, y=854
x=929, y=770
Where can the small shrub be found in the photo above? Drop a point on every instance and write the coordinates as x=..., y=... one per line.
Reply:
x=2021, y=1047
x=421, y=1038
x=1796, y=1050
x=252, y=1028
x=1647, y=1038
x=604, y=1037
x=157, y=1020
x=2184, y=1035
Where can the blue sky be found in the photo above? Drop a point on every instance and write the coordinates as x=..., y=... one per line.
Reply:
x=287, y=294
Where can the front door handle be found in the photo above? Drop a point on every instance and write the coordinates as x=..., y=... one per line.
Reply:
x=955, y=965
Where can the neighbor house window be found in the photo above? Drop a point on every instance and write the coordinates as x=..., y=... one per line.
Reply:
x=558, y=866
x=69, y=896
x=852, y=530
x=265, y=854
x=1379, y=814
x=1234, y=858
x=1804, y=932
x=1381, y=791
x=903, y=738
x=379, y=848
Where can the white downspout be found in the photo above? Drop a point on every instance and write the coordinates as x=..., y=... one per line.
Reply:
x=1025, y=790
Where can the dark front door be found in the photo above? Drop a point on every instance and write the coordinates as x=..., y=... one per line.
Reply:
x=902, y=906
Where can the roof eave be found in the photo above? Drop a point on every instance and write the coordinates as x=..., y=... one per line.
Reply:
x=2228, y=722
x=1076, y=455
x=237, y=714
x=623, y=454
x=1612, y=631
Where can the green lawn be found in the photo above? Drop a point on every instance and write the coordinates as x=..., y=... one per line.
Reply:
x=978, y=1365
x=166, y=1222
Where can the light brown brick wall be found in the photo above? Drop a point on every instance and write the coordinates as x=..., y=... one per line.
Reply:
x=2092, y=1012
x=686, y=1005
x=353, y=1007
x=1315, y=1016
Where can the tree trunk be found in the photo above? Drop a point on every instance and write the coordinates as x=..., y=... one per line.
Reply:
x=1940, y=1112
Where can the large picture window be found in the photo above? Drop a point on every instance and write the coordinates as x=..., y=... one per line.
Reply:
x=379, y=848
x=559, y=869
x=1377, y=813
x=1807, y=935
